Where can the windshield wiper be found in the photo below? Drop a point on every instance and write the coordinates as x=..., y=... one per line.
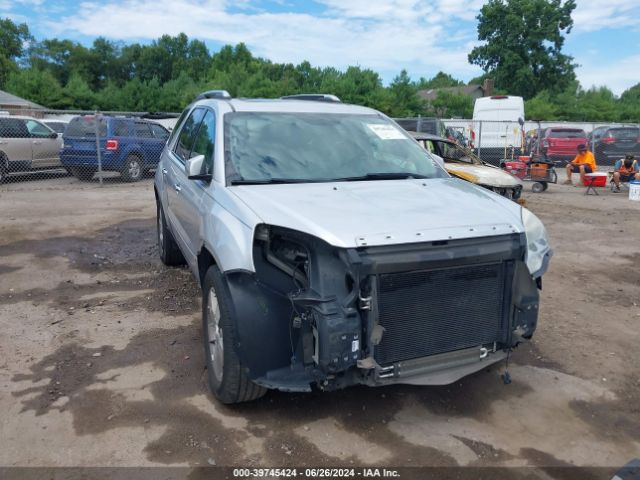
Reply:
x=270, y=181
x=382, y=176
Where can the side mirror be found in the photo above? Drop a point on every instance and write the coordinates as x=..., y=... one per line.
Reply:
x=193, y=169
x=521, y=121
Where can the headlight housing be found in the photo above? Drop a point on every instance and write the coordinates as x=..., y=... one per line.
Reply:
x=538, y=248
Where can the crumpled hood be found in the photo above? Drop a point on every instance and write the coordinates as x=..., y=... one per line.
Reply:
x=483, y=175
x=352, y=214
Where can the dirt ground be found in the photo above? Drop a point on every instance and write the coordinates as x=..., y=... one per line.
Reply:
x=101, y=362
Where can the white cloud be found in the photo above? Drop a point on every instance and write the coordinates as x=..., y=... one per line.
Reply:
x=422, y=36
x=378, y=35
x=618, y=75
x=592, y=15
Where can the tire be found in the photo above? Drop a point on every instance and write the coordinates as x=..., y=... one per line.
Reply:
x=170, y=253
x=84, y=174
x=227, y=378
x=4, y=169
x=545, y=185
x=133, y=169
x=538, y=187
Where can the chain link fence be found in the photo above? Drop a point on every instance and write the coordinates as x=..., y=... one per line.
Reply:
x=106, y=148
x=557, y=142
x=100, y=148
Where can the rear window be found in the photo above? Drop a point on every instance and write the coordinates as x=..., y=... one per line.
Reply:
x=624, y=132
x=86, y=127
x=143, y=130
x=567, y=133
x=120, y=128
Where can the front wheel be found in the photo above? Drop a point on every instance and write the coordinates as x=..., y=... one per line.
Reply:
x=133, y=170
x=228, y=380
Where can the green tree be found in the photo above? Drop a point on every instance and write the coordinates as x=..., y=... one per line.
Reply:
x=523, y=44
x=39, y=86
x=13, y=37
x=440, y=80
x=404, y=100
x=77, y=94
x=452, y=105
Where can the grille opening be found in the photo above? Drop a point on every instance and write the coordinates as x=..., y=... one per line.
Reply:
x=435, y=311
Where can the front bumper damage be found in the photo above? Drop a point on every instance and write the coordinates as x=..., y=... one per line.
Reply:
x=316, y=316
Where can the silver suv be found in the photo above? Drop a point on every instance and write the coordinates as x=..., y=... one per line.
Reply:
x=25, y=144
x=333, y=250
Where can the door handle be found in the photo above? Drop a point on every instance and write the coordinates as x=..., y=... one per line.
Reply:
x=177, y=187
x=35, y=142
x=164, y=171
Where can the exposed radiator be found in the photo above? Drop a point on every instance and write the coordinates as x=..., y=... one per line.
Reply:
x=435, y=311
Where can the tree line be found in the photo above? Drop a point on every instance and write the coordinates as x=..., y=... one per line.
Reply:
x=165, y=75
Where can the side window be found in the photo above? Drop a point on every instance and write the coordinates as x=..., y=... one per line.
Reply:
x=187, y=134
x=204, y=143
x=159, y=132
x=36, y=129
x=178, y=124
x=9, y=129
x=142, y=130
x=121, y=129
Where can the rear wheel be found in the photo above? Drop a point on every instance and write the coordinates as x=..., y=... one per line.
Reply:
x=228, y=380
x=170, y=253
x=4, y=169
x=133, y=170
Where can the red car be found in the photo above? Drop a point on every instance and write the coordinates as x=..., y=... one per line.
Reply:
x=561, y=143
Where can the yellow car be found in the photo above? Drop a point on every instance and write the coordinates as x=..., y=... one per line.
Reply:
x=464, y=164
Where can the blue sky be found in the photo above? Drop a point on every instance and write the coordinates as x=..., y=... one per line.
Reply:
x=421, y=36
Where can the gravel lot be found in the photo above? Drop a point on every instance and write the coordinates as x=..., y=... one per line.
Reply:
x=101, y=361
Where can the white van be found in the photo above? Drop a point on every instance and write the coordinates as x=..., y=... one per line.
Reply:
x=497, y=123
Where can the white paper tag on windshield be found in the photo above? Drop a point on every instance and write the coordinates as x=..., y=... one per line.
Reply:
x=386, y=132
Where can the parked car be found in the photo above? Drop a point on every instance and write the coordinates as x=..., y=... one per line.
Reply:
x=613, y=143
x=56, y=125
x=558, y=144
x=434, y=126
x=455, y=135
x=462, y=163
x=332, y=250
x=26, y=144
x=130, y=146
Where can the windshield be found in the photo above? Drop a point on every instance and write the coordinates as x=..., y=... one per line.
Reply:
x=624, y=132
x=308, y=147
x=451, y=152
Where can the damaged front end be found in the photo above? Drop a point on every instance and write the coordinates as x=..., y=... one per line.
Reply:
x=313, y=315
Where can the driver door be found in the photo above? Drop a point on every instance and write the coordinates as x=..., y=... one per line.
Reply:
x=176, y=182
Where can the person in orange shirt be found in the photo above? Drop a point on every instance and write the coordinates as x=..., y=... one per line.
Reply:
x=584, y=162
x=625, y=170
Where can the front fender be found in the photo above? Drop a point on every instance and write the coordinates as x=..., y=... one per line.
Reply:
x=228, y=239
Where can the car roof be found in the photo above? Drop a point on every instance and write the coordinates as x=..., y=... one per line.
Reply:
x=428, y=136
x=288, y=105
x=21, y=117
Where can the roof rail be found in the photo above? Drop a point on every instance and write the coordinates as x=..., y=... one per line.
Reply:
x=314, y=97
x=223, y=94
